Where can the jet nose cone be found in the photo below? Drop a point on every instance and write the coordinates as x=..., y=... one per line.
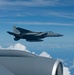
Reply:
x=60, y=35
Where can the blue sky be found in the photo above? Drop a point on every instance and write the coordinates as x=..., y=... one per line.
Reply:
x=40, y=15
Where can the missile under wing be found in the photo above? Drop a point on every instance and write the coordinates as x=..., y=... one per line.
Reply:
x=31, y=36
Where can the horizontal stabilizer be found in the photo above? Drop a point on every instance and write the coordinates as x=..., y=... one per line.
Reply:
x=11, y=33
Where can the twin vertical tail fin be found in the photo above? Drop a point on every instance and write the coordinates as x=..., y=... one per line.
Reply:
x=15, y=30
x=15, y=33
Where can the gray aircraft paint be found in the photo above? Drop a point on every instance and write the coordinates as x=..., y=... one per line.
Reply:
x=31, y=36
x=24, y=63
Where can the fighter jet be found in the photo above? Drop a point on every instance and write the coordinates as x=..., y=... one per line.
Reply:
x=31, y=36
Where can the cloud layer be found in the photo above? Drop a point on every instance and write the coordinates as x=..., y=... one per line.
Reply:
x=18, y=46
x=41, y=23
x=30, y=3
x=37, y=2
x=66, y=71
x=45, y=9
x=72, y=66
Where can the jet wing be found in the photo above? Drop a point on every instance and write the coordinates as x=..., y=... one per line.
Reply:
x=35, y=34
x=41, y=34
x=23, y=30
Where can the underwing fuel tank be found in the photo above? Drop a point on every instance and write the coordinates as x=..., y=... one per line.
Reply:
x=15, y=62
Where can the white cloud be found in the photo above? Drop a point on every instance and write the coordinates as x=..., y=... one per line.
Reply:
x=45, y=54
x=37, y=3
x=72, y=66
x=30, y=3
x=66, y=71
x=19, y=46
x=60, y=14
x=41, y=23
